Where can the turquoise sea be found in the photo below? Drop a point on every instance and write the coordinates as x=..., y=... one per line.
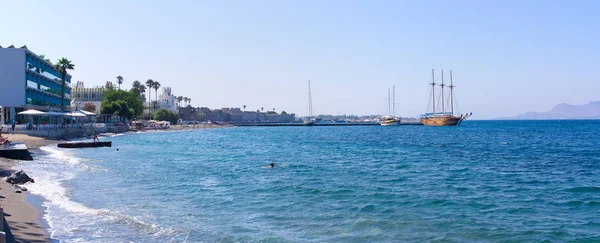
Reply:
x=515, y=181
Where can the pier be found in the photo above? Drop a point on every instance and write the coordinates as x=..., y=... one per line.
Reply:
x=320, y=124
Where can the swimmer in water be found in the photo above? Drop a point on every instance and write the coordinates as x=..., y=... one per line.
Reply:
x=272, y=165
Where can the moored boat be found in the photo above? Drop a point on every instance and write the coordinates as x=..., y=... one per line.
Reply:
x=442, y=118
x=15, y=151
x=389, y=121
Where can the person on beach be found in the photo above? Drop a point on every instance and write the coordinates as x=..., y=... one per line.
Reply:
x=3, y=140
x=95, y=137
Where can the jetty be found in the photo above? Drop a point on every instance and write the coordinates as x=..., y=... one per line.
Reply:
x=317, y=124
x=15, y=151
x=85, y=144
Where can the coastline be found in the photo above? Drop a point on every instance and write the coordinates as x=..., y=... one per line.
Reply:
x=24, y=220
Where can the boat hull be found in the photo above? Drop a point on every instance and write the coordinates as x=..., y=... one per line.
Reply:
x=85, y=145
x=441, y=121
x=396, y=123
x=17, y=151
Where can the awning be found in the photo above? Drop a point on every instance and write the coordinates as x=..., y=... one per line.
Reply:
x=75, y=114
x=87, y=113
x=32, y=113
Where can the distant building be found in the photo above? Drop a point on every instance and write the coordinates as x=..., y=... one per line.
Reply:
x=29, y=81
x=82, y=95
x=167, y=100
x=236, y=115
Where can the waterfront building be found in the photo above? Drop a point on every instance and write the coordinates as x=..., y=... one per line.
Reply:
x=167, y=100
x=80, y=95
x=29, y=81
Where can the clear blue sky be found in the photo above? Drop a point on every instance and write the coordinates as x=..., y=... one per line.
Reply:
x=508, y=57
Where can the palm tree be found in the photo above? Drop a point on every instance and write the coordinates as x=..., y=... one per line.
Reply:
x=262, y=109
x=179, y=99
x=156, y=85
x=62, y=66
x=244, y=107
x=47, y=59
x=119, y=81
x=142, y=92
x=150, y=84
x=189, y=101
x=185, y=99
x=135, y=87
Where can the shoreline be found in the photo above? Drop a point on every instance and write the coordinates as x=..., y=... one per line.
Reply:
x=23, y=219
x=24, y=214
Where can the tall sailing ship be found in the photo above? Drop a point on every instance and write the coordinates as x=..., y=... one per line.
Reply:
x=443, y=118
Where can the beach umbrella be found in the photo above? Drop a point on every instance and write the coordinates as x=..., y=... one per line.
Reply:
x=32, y=113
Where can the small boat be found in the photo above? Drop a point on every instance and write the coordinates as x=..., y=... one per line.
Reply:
x=85, y=145
x=15, y=151
x=310, y=121
x=443, y=118
x=389, y=121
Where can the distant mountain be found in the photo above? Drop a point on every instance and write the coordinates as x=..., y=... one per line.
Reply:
x=564, y=111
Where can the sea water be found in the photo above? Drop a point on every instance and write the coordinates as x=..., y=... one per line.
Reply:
x=521, y=181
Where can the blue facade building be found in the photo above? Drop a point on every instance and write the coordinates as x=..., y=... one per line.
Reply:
x=27, y=80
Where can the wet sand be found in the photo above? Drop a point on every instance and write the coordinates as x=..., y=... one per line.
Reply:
x=23, y=221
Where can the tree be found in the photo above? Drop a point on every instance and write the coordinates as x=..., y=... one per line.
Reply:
x=284, y=113
x=45, y=58
x=165, y=115
x=142, y=92
x=135, y=87
x=119, y=80
x=179, y=99
x=89, y=107
x=185, y=99
x=156, y=85
x=189, y=101
x=111, y=103
x=244, y=107
x=62, y=66
x=149, y=84
x=202, y=116
x=262, y=109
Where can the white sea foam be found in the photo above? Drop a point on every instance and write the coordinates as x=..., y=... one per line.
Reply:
x=66, y=217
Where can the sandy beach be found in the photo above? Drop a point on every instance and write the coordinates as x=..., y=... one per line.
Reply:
x=22, y=219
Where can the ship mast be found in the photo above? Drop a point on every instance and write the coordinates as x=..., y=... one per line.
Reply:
x=433, y=90
x=451, y=94
x=442, y=85
x=389, y=103
x=310, y=111
x=394, y=101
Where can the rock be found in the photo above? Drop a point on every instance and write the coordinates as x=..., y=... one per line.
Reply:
x=19, y=177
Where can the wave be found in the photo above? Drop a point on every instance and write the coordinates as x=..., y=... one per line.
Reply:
x=54, y=168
